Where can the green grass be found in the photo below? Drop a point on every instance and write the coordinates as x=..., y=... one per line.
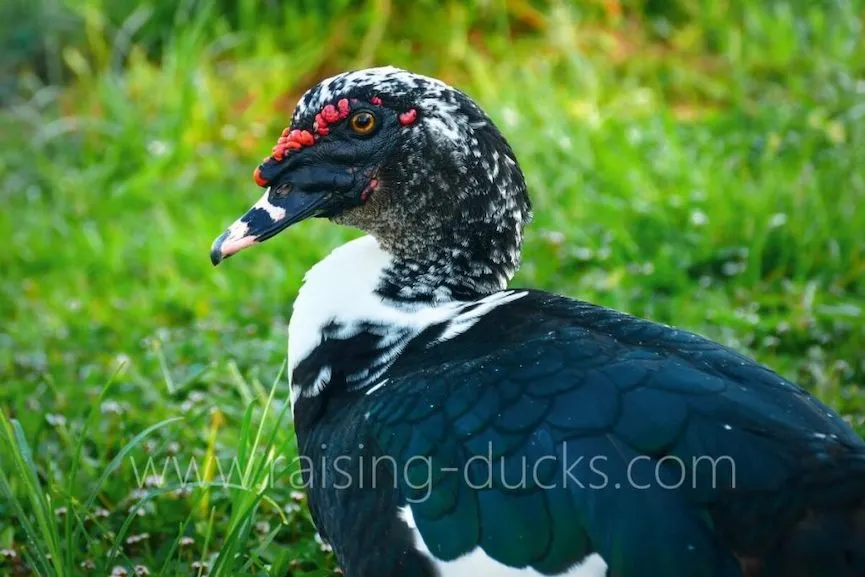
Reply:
x=697, y=163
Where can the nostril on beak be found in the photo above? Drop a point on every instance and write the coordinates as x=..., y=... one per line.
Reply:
x=282, y=190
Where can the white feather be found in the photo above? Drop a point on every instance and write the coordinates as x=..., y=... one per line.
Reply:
x=342, y=288
x=477, y=563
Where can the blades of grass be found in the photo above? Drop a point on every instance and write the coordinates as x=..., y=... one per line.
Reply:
x=194, y=376
x=175, y=546
x=22, y=459
x=256, y=553
x=207, y=537
x=244, y=505
x=76, y=460
x=268, y=460
x=123, y=39
x=101, y=528
x=163, y=366
x=259, y=390
x=242, y=448
x=40, y=559
x=117, y=543
x=35, y=562
x=225, y=561
x=118, y=459
x=379, y=17
x=282, y=517
x=116, y=549
x=250, y=474
x=280, y=565
x=210, y=459
x=240, y=383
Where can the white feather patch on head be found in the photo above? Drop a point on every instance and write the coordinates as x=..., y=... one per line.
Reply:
x=436, y=100
x=384, y=80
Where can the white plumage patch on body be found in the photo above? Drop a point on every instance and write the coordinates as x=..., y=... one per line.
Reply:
x=321, y=380
x=477, y=563
x=342, y=289
x=463, y=321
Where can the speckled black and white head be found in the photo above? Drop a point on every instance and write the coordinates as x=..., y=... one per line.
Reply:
x=413, y=162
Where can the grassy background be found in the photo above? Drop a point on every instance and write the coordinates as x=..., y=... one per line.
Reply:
x=695, y=162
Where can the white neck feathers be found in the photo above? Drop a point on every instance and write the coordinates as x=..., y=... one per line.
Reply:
x=341, y=289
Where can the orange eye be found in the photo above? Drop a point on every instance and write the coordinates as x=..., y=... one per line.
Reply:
x=362, y=122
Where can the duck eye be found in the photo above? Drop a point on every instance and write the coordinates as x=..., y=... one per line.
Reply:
x=362, y=122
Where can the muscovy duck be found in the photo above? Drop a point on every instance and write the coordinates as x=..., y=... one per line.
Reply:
x=451, y=426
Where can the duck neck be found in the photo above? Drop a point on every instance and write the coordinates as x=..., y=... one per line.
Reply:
x=467, y=261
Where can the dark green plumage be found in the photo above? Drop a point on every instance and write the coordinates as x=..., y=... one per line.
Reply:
x=552, y=380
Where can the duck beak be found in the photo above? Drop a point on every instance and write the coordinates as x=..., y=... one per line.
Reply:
x=274, y=212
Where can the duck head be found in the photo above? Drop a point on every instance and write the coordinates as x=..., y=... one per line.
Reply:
x=406, y=158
